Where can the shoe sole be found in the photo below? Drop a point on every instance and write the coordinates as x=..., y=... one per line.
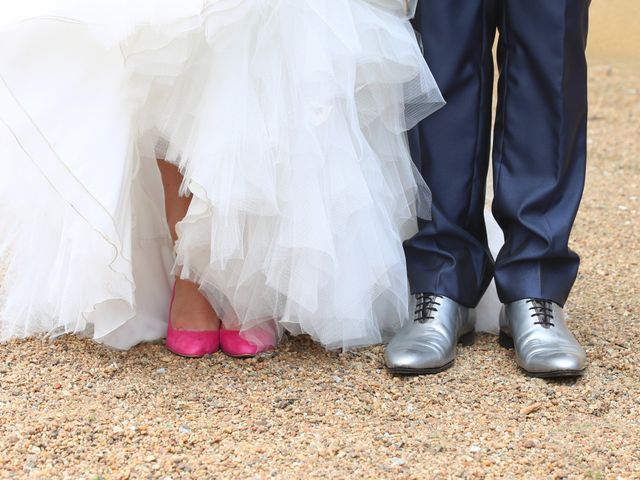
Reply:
x=556, y=374
x=466, y=340
x=420, y=371
x=506, y=341
x=192, y=356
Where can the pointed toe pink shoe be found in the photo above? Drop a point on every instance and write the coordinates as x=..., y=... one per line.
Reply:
x=234, y=345
x=191, y=343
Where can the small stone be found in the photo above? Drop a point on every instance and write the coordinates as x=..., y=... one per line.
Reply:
x=529, y=409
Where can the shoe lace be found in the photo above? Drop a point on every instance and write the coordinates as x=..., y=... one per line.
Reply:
x=543, y=311
x=426, y=306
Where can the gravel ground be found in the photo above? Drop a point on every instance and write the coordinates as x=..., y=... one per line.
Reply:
x=73, y=409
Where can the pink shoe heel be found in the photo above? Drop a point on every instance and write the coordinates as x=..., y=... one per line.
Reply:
x=191, y=343
x=234, y=345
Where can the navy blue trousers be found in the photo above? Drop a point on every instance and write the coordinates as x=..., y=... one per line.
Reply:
x=539, y=147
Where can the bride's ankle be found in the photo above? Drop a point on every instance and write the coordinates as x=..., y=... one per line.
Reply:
x=191, y=310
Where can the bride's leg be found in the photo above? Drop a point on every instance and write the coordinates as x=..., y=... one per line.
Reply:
x=191, y=310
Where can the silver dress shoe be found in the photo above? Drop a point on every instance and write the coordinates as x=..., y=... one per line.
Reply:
x=544, y=345
x=428, y=344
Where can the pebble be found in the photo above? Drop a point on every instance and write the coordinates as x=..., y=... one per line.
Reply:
x=529, y=409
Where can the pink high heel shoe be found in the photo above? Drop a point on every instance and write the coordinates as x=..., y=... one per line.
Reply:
x=234, y=345
x=191, y=343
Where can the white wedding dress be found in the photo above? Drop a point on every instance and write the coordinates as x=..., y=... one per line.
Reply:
x=287, y=119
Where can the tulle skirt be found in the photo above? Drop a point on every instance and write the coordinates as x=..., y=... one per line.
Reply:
x=287, y=119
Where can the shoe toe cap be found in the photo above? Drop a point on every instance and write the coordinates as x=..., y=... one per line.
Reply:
x=556, y=361
x=414, y=359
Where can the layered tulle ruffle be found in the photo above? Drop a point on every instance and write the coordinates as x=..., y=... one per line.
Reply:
x=287, y=119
